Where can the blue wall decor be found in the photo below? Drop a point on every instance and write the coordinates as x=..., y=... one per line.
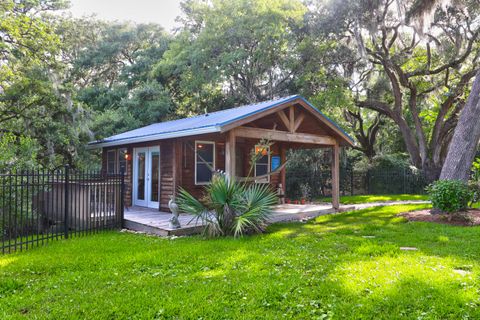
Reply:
x=275, y=162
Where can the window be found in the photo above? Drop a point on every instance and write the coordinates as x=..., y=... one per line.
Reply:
x=204, y=161
x=111, y=161
x=262, y=165
x=122, y=162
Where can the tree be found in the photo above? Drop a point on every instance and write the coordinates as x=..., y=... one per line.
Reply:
x=427, y=72
x=26, y=43
x=36, y=105
x=110, y=67
x=234, y=52
x=365, y=134
x=465, y=139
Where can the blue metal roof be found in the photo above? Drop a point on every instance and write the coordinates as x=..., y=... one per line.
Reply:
x=205, y=123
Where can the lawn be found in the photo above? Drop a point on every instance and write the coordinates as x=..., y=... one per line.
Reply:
x=376, y=198
x=344, y=266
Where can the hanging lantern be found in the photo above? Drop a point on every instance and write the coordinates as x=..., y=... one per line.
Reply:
x=261, y=150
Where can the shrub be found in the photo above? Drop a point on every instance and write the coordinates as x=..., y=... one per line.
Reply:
x=230, y=207
x=449, y=195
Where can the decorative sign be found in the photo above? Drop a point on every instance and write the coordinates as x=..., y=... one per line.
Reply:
x=275, y=162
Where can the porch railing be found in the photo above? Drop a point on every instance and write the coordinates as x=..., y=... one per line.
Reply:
x=40, y=206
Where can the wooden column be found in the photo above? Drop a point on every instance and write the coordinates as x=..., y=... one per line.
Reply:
x=230, y=154
x=336, y=176
x=283, y=172
x=177, y=165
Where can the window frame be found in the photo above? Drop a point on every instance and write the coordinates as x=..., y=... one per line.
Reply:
x=114, y=151
x=121, y=158
x=267, y=180
x=197, y=142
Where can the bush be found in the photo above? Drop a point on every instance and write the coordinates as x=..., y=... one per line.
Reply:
x=449, y=195
x=230, y=207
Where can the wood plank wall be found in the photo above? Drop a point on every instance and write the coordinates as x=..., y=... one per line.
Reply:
x=184, y=160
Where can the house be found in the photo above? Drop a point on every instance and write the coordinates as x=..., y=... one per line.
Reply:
x=159, y=158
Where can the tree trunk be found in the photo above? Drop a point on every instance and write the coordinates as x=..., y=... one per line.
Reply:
x=465, y=138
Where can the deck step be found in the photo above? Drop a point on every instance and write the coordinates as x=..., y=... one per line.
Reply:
x=164, y=232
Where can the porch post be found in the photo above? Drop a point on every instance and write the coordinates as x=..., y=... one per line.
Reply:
x=230, y=154
x=336, y=175
x=283, y=172
x=177, y=165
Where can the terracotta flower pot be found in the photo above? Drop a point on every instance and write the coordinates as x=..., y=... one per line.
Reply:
x=288, y=201
x=303, y=201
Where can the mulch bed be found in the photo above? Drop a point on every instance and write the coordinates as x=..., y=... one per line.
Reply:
x=470, y=217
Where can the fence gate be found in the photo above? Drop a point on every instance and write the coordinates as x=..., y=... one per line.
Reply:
x=40, y=206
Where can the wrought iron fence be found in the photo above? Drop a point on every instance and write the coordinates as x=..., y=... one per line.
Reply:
x=375, y=181
x=40, y=206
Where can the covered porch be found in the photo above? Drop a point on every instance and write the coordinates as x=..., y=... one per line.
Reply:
x=291, y=128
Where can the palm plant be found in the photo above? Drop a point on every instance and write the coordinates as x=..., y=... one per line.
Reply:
x=229, y=207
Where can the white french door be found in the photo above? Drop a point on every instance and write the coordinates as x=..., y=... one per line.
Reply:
x=146, y=177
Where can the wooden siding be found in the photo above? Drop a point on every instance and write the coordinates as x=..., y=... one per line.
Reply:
x=177, y=162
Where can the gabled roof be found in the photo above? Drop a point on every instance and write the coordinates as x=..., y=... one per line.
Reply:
x=205, y=123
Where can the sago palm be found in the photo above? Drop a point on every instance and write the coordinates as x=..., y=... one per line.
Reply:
x=229, y=207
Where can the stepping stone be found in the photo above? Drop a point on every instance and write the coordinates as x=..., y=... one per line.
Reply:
x=408, y=248
x=461, y=272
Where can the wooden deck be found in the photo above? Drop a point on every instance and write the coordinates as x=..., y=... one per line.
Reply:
x=152, y=221
x=156, y=222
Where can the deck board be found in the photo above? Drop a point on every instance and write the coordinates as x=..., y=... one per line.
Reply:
x=157, y=222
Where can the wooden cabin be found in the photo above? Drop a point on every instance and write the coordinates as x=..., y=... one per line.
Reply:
x=159, y=158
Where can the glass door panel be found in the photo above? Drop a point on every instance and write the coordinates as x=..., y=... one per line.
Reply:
x=154, y=174
x=146, y=177
x=141, y=176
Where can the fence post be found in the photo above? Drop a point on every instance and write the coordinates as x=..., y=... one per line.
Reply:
x=122, y=196
x=351, y=182
x=66, y=201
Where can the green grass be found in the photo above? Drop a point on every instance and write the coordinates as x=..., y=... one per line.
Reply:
x=344, y=266
x=376, y=198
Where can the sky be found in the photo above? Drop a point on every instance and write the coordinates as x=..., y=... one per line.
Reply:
x=162, y=12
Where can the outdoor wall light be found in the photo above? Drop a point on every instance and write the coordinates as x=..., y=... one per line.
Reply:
x=128, y=156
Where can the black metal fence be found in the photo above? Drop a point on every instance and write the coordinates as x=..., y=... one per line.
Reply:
x=317, y=183
x=41, y=206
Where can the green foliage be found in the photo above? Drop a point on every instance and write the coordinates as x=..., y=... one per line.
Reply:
x=232, y=52
x=476, y=170
x=312, y=270
x=65, y=81
x=17, y=152
x=474, y=181
x=229, y=207
x=449, y=195
x=383, y=162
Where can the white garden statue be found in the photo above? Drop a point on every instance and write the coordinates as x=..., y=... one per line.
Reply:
x=174, y=222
